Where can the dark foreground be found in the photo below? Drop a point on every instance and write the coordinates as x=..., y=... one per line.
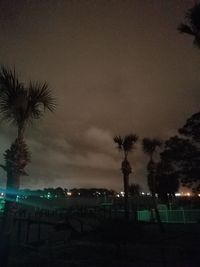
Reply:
x=110, y=244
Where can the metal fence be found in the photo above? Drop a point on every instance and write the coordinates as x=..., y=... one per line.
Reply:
x=170, y=216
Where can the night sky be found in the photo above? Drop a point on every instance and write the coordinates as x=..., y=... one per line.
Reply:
x=115, y=67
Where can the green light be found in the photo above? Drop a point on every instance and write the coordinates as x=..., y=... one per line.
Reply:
x=2, y=203
x=48, y=195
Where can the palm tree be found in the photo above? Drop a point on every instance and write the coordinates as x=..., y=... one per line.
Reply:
x=126, y=145
x=149, y=147
x=20, y=105
x=192, y=27
x=167, y=180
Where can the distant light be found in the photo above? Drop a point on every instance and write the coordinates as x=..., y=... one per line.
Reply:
x=148, y=194
x=69, y=193
x=122, y=193
x=48, y=195
x=188, y=194
x=177, y=194
x=117, y=195
x=78, y=193
x=198, y=195
x=143, y=193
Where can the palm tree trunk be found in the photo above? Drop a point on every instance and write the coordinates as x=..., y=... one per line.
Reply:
x=20, y=135
x=13, y=176
x=153, y=192
x=12, y=188
x=126, y=202
x=10, y=203
x=8, y=217
x=162, y=230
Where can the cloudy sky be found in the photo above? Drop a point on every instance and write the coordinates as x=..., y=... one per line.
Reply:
x=114, y=66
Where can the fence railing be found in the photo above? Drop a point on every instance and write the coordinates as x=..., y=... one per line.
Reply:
x=170, y=216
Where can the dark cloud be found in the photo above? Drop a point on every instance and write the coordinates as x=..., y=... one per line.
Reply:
x=114, y=66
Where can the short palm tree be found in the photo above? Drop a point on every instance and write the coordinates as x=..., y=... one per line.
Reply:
x=126, y=145
x=192, y=27
x=20, y=105
x=149, y=147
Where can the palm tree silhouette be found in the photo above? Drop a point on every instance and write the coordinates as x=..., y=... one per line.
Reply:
x=20, y=105
x=149, y=147
x=192, y=27
x=126, y=145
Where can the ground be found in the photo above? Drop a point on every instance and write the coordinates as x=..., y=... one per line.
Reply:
x=178, y=247
x=96, y=236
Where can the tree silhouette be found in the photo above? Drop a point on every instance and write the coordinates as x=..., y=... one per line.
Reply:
x=190, y=163
x=183, y=153
x=149, y=147
x=20, y=105
x=192, y=25
x=186, y=158
x=191, y=129
x=167, y=181
x=126, y=145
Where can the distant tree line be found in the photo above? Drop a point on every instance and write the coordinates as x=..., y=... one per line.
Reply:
x=60, y=192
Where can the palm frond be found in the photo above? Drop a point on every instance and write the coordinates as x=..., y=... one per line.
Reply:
x=129, y=142
x=126, y=143
x=19, y=104
x=119, y=141
x=40, y=94
x=150, y=145
x=13, y=96
x=8, y=79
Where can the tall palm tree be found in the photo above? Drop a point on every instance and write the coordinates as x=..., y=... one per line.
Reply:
x=126, y=145
x=149, y=147
x=20, y=105
x=192, y=27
